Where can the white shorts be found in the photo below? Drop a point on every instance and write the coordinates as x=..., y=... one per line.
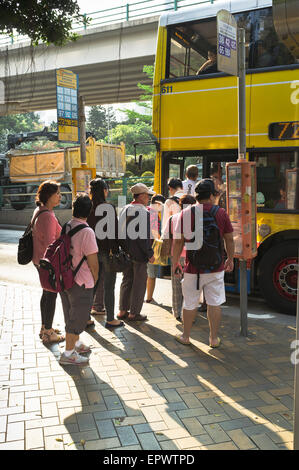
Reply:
x=211, y=285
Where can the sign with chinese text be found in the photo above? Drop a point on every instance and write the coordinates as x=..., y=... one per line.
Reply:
x=227, y=56
x=67, y=106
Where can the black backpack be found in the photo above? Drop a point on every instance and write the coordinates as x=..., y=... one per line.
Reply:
x=209, y=257
x=25, y=246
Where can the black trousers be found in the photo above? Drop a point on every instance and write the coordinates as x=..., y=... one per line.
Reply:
x=47, y=307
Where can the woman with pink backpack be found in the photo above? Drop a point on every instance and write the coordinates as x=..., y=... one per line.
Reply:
x=45, y=230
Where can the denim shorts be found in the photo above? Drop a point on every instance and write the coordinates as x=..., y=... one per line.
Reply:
x=152, y=270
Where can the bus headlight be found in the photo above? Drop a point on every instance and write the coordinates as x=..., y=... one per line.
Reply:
x=264, y=230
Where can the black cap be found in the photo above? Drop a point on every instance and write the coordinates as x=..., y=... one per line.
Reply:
x=206, y=185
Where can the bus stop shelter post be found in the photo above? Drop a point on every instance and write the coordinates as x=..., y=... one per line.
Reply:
x=242, y=155
x=296, y=381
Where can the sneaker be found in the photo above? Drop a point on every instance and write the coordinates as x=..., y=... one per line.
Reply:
x=83, y=349
x=74, y=358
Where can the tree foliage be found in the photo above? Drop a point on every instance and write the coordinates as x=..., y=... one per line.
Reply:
x=100, y=121
x=49, y=21
x=17, y=123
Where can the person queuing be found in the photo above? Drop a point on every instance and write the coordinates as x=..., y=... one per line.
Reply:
x=99, y=192
x=212, y=282
x=135, y=228
x=191, y=178
x=171, y=206
x=77, y=301
x=45, y=230
x=155, y=209
x=171, y=231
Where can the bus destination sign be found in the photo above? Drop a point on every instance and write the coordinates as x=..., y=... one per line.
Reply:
x=284, y=130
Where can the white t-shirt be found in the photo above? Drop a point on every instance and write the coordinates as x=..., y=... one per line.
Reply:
x=188, y=187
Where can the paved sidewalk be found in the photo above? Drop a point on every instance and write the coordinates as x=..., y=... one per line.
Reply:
x=143, y=390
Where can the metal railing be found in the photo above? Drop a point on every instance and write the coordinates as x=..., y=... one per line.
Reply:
x=16, y=197
x=121, y=13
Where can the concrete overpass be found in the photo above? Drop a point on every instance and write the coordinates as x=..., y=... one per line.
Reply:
x=109, y=60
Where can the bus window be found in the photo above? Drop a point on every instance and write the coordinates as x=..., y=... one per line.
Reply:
x=193, y=49
x=265, y=48
x=276, y=182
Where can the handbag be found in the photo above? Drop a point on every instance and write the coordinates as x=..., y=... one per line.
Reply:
x=160, y=259
x=25, y=246
x=116, y=262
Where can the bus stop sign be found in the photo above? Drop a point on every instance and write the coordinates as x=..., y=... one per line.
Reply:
x=227, y=44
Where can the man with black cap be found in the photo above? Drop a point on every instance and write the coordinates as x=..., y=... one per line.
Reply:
x=209, y=280
x=134, y=227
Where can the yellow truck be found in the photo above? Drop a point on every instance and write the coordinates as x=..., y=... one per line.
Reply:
x=33, y=168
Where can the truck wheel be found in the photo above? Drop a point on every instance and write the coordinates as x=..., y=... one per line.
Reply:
x=278, y=274
x=66, y=199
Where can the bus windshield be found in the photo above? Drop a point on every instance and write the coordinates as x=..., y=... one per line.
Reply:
x=193, y=46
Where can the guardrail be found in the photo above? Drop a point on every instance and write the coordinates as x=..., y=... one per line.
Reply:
x=118, y=14
x=14, y=196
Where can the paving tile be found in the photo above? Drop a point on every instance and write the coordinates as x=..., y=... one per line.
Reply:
x=216, y=433
x=86, y=422
x=127, y=435
x=264, y=442
x=148, y=441
x=102, y=444
x=14, y=445
x=15, y=431
x=106, y=428
x=34, y=438
x=241, y=439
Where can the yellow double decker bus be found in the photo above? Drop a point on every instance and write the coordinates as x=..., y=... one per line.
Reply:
x=195, y=121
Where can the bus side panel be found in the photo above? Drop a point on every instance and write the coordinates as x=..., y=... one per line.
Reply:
x=200, y=114
x=275, y=98
x=158, y=76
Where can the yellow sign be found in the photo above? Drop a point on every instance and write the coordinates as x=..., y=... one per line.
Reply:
x=66, y=78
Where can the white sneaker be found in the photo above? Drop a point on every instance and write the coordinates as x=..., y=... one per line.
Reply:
x=82, y=349
x=74, y=358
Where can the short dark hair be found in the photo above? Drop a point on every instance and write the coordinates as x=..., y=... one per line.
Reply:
x=192, y=171
x=203, y=196
x=175, y=183
x=82, y=205
x=159, y=198
x=186, y=199
x=45, y=191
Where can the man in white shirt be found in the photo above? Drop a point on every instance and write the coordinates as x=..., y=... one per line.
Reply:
x=171, y=206
x=191, y=179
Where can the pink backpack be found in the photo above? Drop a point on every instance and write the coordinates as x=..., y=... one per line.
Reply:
x=55, y=268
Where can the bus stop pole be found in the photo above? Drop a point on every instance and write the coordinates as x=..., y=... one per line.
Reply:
x=242, y=155
x=296, y=381
x=82, y=130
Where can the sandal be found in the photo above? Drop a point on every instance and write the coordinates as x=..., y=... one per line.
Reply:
x=97, y=312
x=180, y=340
x=137, y=317
x=42, y=331
x=216, y=345
x=122, y=316
x=111, y=325
x=49, y=338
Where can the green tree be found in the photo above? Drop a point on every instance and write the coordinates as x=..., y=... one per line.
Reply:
x=101, y=121
x=132, y=133
x=17, y=123
x=49, y=21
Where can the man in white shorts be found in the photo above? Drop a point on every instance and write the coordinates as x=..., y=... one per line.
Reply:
x=211, y=283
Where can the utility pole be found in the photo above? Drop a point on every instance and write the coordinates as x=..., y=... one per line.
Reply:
x=242, y=157
x=82, y=130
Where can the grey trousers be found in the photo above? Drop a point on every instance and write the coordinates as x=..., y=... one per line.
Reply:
x=177, y=295
x=133, y=287
x=76, y=304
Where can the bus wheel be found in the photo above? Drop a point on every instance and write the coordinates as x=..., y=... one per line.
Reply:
x=278, y=274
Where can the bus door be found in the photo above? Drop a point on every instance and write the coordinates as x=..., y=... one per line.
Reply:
x=215, y=167
x=173, y=168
